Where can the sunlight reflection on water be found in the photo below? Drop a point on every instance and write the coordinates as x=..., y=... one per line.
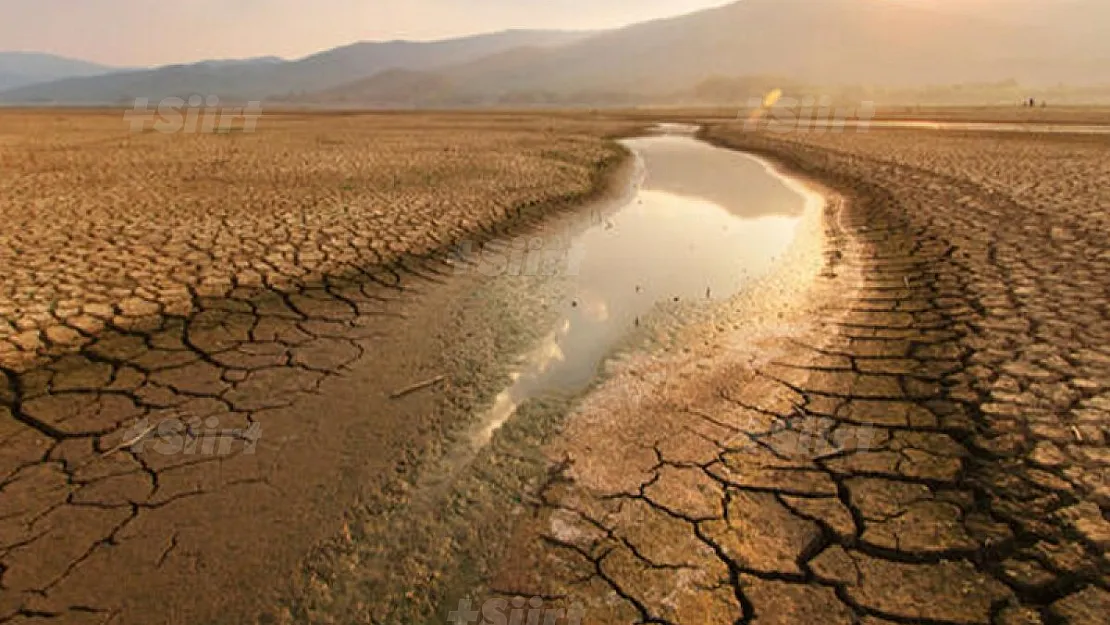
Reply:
x=703, y=223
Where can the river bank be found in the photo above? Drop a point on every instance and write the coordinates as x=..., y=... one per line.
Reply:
x=174, y=448
x=931, y=449
x=638, y=289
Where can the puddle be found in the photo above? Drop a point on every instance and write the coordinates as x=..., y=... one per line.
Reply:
x=702, y=223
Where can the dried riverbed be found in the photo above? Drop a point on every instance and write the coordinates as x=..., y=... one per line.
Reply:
x=700, y=238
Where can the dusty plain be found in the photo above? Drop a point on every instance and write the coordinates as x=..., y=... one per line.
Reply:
x=919, y=437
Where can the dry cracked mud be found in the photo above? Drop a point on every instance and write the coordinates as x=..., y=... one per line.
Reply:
x=200, y=334
x=926, y=443
x=106, y=228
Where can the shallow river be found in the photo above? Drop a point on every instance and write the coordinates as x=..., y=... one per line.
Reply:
x=700, y=224
x=691, y=232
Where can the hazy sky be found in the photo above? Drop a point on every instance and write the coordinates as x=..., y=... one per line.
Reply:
x=151, y=32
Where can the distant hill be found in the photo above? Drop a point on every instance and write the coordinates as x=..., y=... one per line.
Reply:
x=395, y=88
x=890, y=43
x=883, y=42
x=18, y=69
x=831, y=46
x=258, y=61
x=275, y=78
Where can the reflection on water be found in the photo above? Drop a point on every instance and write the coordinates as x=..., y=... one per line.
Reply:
x=704, y=222
x=736, y=182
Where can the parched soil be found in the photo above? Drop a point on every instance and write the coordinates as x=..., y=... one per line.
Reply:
x=1062, y=115
x=206, y=336
x=201, y=337
x=108, y=228
x=926, y=440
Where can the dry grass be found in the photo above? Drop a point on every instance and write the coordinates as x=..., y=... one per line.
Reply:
x=105, y=226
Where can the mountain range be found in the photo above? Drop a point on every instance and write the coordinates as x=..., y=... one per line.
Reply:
x=268, y=77
x=18, y=69
x=888, y=43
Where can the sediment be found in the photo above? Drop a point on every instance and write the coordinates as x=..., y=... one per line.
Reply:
x=922, y=438
x=175, y=464
x=926, y=442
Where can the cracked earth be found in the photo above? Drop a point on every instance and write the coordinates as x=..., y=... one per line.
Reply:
x=194, y=329
x=926, y=442
x=110, y=229
x=923, y=441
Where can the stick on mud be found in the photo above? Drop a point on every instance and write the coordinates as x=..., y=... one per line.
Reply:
x=408, y=390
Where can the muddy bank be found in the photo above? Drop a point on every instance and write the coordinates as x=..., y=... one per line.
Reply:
x=448, y=532
x=174, y=453
x=613, y=530
x=926, y=444
x=108, y=228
